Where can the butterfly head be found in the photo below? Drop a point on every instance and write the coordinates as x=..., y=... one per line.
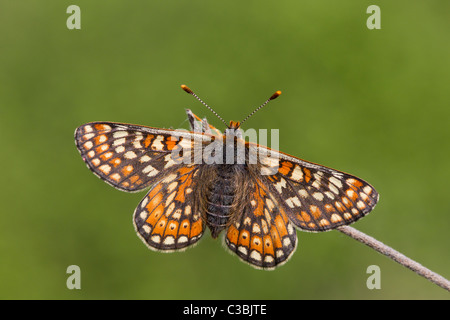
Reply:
x=234, y=125
x=233, y=129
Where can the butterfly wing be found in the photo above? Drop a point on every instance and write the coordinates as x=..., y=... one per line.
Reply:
x=315, y=197
x=168, y=218
x=130, y=157
x=262, y=234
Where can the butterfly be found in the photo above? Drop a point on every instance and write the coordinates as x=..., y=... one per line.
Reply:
x=204, y=178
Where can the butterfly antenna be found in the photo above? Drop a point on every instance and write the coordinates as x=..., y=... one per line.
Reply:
x=188, y=90
x=274, y=96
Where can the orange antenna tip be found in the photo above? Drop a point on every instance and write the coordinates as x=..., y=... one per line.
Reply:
x=275, y=95
x=186, y=88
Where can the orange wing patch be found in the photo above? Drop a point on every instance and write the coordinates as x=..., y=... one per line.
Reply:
x=285, y=168
x=263, y=236
x=165, y=219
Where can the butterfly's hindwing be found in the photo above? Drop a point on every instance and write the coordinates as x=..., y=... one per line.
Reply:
x=168, y=217
x=261, y=234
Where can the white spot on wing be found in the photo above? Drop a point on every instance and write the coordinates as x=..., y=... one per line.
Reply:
x=182, y=239
x=118, y=142
x=290, y=229
x=303, y=193
x=171, y=197
x=157, y=144
x=177, y=213
x=102, y=138
x=145, y=159
x=144, y=202
x=270, y=204
x=336, y=182
x=130, y=155
x=137, y=144
x=172, y=186
x=146, y=228
x=169, y=161
x=351, y=193
x=108, y=155
x=120, y=134
x=87, y=145
x=367, y=189
x=333, y=188
x=242, y=250
x=156, y=238
x=329, y=195
x=318, y=196
x=293, y=202
x=169, y=240
x=279, y=253
x=105, y=168
x=280, y=185
x=143, y=215
x=255, y=255
x=151, y=171
x=120, y=149
x=297, y=174
x=335, y=218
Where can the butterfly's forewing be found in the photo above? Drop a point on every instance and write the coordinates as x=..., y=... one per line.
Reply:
x=168, y=218
x=262, y=234
x=130, y=157
x=318, y=198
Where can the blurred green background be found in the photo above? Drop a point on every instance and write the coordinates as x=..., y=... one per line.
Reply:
x=374, y=103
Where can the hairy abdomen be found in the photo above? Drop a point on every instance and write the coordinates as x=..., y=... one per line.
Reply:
x=219, y=206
